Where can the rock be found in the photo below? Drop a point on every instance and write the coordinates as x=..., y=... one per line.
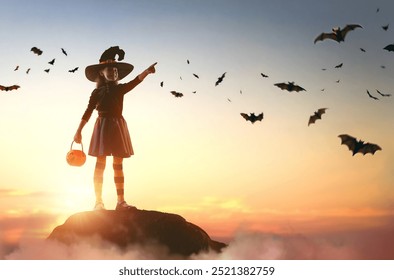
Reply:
x=137, y=227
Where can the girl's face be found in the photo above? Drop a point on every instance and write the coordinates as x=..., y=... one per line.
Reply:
x=110, y=73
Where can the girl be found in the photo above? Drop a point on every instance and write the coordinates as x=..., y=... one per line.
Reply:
x=110, y=135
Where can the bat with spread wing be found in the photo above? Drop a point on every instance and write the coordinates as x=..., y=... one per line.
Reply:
x=13, y=87
x=36, y=50
x=176, y=94
x=337, y=33
x=220, y=79
x=289, y=87
x=358, y=146
x=73, y=70
x=317, y=115
x=252, y=117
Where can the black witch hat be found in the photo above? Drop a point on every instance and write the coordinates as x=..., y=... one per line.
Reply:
x=107, y=59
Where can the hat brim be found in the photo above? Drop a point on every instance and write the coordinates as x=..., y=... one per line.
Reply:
x=92, y=71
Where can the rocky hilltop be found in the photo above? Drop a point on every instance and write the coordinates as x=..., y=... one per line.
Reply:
x=137, y=227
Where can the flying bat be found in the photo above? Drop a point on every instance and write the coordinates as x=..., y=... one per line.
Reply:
x=188, y=62
x=358, y=146
x=339, y=65
x=64, y=52
x=290, y=86
x=16, y=68
x=195, y=75
x=73, y=70
x=361, y=49
x=36, y=50
x=371, y=96
x=176, y=94
x=252, y=117
x=13, y=87
x=220, y=79
x=317, y=115
x=389, y=48
x=383, y=94
x=27, y=71
x=52, y=62
x=385, y=27
x=161, y=84
x=337, y=33
x=263, y=75
x=47, y=70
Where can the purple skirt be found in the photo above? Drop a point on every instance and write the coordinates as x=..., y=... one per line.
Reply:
x=111, y=137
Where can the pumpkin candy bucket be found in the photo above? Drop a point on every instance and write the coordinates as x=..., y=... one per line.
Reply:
x=76, y=157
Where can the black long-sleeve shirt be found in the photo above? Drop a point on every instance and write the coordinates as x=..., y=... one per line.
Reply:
x=108, y=99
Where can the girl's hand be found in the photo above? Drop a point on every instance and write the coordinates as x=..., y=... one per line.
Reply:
x=151, y=69
x=78, y=137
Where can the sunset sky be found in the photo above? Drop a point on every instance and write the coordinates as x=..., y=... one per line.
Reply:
x=195, y=155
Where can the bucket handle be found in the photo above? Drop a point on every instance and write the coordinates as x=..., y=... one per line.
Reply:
x=73, y=143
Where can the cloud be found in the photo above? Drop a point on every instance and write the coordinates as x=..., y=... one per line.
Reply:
x=373, y=243
x=86, y=249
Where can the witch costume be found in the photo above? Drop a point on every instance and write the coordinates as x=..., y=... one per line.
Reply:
x=110, y=135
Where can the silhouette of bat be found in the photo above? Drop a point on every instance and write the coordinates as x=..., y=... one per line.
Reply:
x=16, y=68
x=47, y=70
x=371, y=96
x=36, y=50
x=339, y=65
x=161, y=84
x=188, y=62
x=361, y=49
x=73, y=70
x=337, y=33
x=317, y=115
x=252, y=117
x=52, y=62
x=27, y=71
x=220, y=79
x=196, y=76
x=176, y=94
x=385, y=27
x=64, y=52
x=290, y=86
x=389, y=48
x=5, y=88
x=358, y=146
x=383, y=94
x=263, y=75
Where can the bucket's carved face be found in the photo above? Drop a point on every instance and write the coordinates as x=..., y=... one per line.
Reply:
x=76, y=158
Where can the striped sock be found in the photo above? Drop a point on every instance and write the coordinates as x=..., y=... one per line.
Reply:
x=119, y=179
